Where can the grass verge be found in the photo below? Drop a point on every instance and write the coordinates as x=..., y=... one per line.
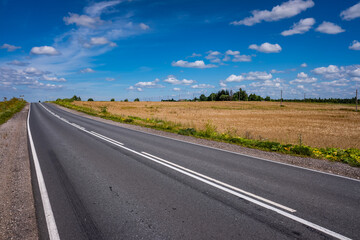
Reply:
x=349, y=156
x=9, y=108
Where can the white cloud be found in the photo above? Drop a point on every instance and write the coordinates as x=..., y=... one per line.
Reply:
x=341, y=73
x=336, y=83
x=53, y=79
x=153, y=84
x=132, y=88
x=230, y=52
x=143, y=26
x=351, y=13
x=222, y=84
x=355, y=45
x=44, y=50
x=18, y=63
x=266, y=47
x=87, y=70
x=98, y=41
x=235, y=78
x=241, y=58
x=302, y=75
x=277, y=83
x=173, y=80
x=32, y=71
x=301, y=27
x=202, y=86
x=285, y=10
x=331, y=69
x=98, y=8
x=9, y=48
x=249, y=76
x=276, y=71
x=109, y=79
x=196, y=64
x=82, y=20
x=304, y=79
x=176, y=89
x=329, y=28
x=303, y=65
x=214, y=56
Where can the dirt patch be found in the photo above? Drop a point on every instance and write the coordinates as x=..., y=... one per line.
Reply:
x=315, y=164
x=17, y=211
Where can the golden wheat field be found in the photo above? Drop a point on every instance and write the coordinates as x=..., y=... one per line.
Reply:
x=318, y=125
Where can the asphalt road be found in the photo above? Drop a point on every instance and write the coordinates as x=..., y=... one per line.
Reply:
x=107, y=182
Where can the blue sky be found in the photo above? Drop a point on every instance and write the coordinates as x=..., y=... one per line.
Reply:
x=159, y=49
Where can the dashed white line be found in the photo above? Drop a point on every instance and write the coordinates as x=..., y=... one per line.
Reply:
x=49, y=215
x=218, y=184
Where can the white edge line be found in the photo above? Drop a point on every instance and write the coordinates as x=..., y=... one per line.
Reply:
x=49, y=216
x=264, y=205
x=224, y=184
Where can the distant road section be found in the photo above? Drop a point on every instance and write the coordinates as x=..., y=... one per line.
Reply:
x=108, y=182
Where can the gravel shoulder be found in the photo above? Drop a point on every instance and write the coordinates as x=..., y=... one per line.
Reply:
x=17, y=210
x=310, y=163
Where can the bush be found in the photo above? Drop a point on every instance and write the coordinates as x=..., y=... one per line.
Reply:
x=128, y=120
x=136, y=100
x=90, y=100
x=302, y=150
x=126, y=100
x=112, y=100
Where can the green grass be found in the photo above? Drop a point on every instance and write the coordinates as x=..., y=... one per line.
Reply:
x=349, y=156
x=9, y=108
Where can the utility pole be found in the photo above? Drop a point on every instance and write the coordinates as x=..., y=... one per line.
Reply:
x=304, y=97
x=281, y=99
x=356, y=100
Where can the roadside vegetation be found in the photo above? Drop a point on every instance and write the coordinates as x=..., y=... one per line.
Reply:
x=9, y=107
x=170, y=117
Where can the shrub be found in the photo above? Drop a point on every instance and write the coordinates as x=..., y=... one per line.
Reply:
x=90, y=100
x=187, y=131
x=126, y=100
x=112, y=100
x=128, y=120
x=136, y=100
x=302, y=150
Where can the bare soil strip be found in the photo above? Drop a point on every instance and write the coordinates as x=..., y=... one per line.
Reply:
x=17, y=211
x=315, y=164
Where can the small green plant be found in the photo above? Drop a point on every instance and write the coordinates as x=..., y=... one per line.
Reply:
x=103, y=109
x=187, y=131
x=9, y=108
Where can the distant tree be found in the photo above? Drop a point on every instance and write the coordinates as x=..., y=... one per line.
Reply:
x=136, y=100
x=112, y=100
x=267, y=98
x=243, y=95
x=203, y=97
x=224, y=97
x=76, y=98
x=126, y=100
x=90, y=100
x=212, y=97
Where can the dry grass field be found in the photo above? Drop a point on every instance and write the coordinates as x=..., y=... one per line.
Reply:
x=318, y=125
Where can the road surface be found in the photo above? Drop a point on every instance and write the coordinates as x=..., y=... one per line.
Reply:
x=93, y=180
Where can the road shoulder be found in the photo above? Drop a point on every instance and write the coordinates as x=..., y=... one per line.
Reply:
x=336, y=168
x=17, y=210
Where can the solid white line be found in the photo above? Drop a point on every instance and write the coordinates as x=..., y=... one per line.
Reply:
x=104, y=137
x=264, y=205
x=224, y=184
x=49, y=216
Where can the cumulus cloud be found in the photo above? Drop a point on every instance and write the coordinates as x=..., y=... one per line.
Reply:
x=329, y=28
x=132, y=88
x=266, y=47
x=303, y=65
x=143, y=26
x=202, y=86
x=29, y=77
x=351, y=13
x=196, y=64
x=277, y=83
x=195, y=55
x=53, y=79
x=351, y=72
x=153, y=84
x=214, y=56
x=276, y=71
x=87, y=70
x=173, y=80
x=303, y=78
x=285, y=10
x=82, y=20
x=176, y=89
x=355, y=45
x=9, y=48
x=301, y=27
x=18, y=63
x=235, y=56
x=44, y=50
x=249, y=76
x=222, y=84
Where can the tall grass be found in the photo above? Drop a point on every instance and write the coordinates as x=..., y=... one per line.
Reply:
x=350, y=156
x=9, y=108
